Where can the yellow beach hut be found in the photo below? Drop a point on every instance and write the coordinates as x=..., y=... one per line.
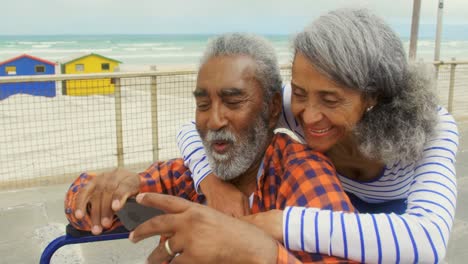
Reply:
x=89, y=63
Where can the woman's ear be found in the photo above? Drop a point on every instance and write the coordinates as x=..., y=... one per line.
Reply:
x=275, y=109
x=370, y=103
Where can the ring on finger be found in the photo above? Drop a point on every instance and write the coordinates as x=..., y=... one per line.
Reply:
x=168, y=248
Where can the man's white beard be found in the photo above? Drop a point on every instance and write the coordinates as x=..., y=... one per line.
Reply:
x=243, y=150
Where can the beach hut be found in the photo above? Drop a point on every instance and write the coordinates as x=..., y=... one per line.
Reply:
x=27, y=65
x=89, y=63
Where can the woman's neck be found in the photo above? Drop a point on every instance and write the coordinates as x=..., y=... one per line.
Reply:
x=351, y=163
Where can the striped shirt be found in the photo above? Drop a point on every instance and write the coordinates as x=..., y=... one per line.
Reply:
x=292, y=175
x=419, y=234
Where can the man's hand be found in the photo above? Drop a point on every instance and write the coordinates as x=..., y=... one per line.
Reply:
x=199, y=234
x=104, y=195
x=270, y=221
x=224, y=196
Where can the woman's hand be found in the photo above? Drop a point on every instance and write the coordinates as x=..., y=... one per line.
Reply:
x=199, y=234
x=269, y=221
x=224, y=196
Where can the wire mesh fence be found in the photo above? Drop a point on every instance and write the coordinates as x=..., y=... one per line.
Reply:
x=118, y=120
x=54, y=127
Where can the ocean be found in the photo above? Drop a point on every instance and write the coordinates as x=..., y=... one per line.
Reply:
x=135, y=51
x=138, y=52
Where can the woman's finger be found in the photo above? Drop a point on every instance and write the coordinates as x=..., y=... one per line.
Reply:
x=269, y=221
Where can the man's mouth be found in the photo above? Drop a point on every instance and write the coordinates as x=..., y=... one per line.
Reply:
x=220, y=146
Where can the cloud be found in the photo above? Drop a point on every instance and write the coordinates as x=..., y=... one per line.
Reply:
x=200, y=16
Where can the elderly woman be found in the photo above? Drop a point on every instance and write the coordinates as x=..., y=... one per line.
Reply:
x=354, y=96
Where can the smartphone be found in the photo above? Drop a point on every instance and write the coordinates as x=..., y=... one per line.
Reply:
x=133, y=213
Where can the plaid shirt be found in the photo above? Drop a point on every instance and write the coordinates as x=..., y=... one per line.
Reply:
x=292, y=175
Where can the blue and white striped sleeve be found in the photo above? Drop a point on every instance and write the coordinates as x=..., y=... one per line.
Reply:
x=419, y=235
x=193, y=153
x=287, y=119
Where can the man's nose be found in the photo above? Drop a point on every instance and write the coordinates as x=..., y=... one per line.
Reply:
x=217, y=119
x=311, y=115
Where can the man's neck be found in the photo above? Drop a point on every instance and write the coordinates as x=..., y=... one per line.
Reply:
x=247, y=182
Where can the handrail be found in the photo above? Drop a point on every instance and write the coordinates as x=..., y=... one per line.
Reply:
x=89, y=76
x=449, y=62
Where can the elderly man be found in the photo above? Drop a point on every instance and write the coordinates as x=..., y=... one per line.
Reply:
x=238, y=102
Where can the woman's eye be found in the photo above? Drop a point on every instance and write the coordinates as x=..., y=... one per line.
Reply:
x=330, y=100
x=299, y=94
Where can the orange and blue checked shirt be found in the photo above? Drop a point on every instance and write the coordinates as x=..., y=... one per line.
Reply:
x=292, y=175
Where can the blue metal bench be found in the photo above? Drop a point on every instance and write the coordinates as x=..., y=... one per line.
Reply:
x=74, y=236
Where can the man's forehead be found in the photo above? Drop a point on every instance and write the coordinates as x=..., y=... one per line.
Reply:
x=235, y=65
x=226, y=72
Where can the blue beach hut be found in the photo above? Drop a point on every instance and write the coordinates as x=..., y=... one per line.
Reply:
x=27, y=65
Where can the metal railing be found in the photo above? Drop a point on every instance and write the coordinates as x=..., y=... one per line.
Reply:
x=48, y=140
x=450, y=86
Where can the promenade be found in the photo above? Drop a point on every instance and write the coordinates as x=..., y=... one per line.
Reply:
x=30, y=218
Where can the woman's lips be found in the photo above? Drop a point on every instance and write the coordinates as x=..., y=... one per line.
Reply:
x=319, y=132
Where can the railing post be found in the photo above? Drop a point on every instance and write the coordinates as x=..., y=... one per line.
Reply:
x=154, y=115
x=436, y=74
x=413, y=45
x=440, y=10
x=118, y=120
x=437, y=69
x=451, y=85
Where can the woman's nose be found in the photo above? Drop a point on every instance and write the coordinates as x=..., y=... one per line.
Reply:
x=311, y=115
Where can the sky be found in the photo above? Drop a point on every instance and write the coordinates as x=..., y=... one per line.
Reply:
x=45, y=17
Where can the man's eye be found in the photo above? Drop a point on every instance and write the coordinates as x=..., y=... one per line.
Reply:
x=233, y=103
x=202, y=107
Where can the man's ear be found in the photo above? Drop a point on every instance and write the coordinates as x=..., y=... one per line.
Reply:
x=275, y=109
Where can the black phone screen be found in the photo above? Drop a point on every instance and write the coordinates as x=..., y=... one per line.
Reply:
x=133, y=213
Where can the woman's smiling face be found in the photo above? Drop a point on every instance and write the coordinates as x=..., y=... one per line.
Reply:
x=327, y=111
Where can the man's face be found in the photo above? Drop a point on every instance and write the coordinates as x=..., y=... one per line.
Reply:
x=231, y=117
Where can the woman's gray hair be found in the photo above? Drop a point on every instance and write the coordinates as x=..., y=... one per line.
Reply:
x=359, y=50
x=267, y=70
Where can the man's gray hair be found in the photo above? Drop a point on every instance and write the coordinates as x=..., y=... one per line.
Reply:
x=359, y=50
x=267, y=71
